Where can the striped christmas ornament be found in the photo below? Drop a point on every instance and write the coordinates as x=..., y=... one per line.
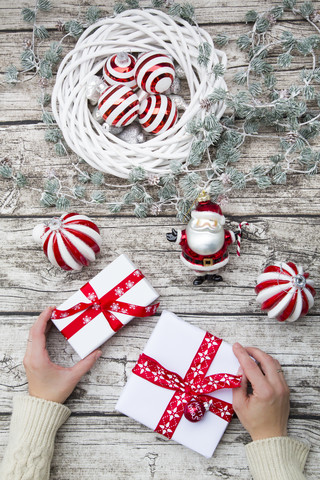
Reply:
x=285, y=291
x=157, y=113
x=70, y=242
x=154, y=72
x=119, y=69
x=119, y=105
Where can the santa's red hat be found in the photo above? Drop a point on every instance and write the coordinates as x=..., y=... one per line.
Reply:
x=208, y=209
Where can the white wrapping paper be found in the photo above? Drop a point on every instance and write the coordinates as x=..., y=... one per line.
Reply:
x=96, y=332
x=174, y=343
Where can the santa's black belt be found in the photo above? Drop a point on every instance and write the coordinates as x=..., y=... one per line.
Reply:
x=206, y=262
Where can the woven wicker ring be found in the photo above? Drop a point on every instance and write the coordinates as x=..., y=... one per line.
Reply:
x=134, y=31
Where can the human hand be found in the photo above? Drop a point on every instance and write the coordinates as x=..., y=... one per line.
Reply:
x=265, y=412
x=46, y=379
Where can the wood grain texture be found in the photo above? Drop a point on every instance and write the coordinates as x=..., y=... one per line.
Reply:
x=26, y=149
x=96, y=441
x=221, y=12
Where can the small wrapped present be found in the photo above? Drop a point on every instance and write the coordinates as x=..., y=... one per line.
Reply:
x=102, y=306
x=178, y=381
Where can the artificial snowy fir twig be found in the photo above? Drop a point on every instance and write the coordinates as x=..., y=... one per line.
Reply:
x=259, y=110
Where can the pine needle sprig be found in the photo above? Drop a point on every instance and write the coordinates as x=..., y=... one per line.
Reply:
x=259, y=110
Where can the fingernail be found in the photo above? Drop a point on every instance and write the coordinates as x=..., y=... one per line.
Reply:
x=240, y=371
x=98, y=354
x=237, y=345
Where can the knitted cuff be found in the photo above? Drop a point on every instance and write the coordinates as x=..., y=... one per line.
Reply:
x=36, y=420
x=278, y=458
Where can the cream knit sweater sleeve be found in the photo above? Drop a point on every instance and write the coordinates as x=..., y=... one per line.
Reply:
x=34, y=424
x=278, y=458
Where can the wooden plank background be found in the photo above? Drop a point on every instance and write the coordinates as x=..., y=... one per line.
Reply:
x=97, y=442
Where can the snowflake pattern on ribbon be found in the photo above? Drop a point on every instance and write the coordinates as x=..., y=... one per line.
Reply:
x=119, y=291
x=86, y=319
x=107, y=304
x=93, y=297
x=114, y=307
x=194, y=384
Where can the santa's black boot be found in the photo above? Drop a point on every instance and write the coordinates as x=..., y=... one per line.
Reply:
x=199, y=280
x=214, y=278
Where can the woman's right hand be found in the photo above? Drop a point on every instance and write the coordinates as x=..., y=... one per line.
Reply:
x=265, y=412
x=46, y=379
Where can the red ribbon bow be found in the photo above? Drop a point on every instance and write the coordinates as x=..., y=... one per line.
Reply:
x=195, y=384
x=106, y=304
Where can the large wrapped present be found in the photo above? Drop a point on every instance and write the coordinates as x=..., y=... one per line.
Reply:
x=182, y=384
x=102, y=306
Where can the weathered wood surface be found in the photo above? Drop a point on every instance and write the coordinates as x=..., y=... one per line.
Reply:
x=25, y=147
x=97, y=441
x=144, y=240
x=221, y=12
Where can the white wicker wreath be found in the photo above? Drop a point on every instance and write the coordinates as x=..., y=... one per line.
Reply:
x=134, y=31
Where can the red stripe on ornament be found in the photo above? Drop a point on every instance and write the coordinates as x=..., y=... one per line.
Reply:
x=311, y=290
x=120, y=79
x=164, y=119
x=154, y=67
x=116, y=103
x=139, y=65
x=132, y=106
x=155, y=113
x=153, y=85
x=110, y=91
x=269, y=283
x=45, y=245
x=68, y=215
x=274, y=300
x=120, y=69
x=86, y=223
x=58, y=256
x=74, y=251
x=305, y=304
x=274, y=268
x=130, y=116
x=146, y=110
x=289, y=309
x=293, y=266
x=85, y=238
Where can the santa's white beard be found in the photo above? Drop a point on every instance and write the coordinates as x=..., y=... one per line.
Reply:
x=205, y=241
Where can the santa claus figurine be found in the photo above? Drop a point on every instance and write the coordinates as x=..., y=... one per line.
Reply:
x=204, y=242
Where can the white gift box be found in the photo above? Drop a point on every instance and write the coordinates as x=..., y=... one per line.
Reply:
x=98, y=330
x=174, y=343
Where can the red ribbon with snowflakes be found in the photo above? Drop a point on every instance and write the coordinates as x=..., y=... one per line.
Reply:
x=195, y=385
x=107, y=304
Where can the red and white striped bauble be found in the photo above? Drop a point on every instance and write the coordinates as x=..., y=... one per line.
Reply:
x=70, y=242
x=154, y=72
x=118, y=105
x=157, y=113
x=285, y=291
x=119, y=69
